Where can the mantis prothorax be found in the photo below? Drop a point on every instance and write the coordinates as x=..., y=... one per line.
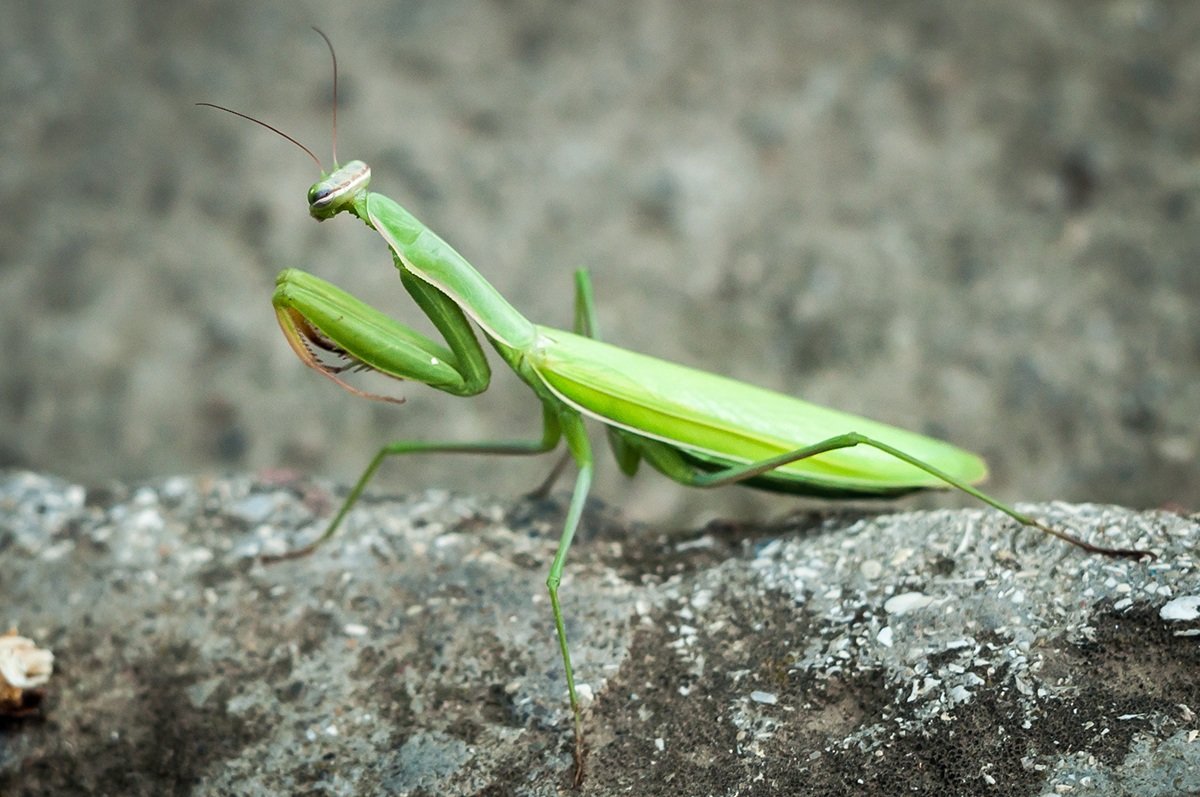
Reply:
x=697, y=428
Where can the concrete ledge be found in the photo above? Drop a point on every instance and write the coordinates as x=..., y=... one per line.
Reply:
x=832, y=653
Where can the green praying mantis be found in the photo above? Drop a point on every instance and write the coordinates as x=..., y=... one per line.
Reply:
x=697, y=428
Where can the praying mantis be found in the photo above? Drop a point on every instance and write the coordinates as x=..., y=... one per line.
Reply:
x=697, y=428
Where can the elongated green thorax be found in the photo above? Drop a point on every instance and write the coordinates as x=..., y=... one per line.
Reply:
x=421, y=252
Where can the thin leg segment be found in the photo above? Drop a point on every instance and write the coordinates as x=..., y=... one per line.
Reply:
x=542, y=490
x=586, y=325
x=624, y=447
x=551, y=433
x=672, y=462
x=586, y=322
x=577, y=443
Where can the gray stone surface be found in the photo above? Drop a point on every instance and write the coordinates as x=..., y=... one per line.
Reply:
x=974, y=219
x=841, y=653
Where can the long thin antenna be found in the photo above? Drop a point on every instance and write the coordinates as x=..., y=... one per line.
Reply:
x=274, y=130
x=332, y=55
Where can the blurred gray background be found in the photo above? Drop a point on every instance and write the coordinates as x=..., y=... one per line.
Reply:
x=977, y=220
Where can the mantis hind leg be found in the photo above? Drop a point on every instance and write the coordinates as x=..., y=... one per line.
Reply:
x=551, y=433
x=672, y=462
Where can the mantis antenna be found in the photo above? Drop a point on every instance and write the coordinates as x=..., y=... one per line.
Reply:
x=277, y=131
x=333, y=56
x=273, y=129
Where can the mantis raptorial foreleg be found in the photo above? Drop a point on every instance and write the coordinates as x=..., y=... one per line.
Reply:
x=308, y=307
x=449, y=319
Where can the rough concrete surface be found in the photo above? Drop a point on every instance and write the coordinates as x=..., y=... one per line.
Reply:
x=973, y=219
x=838, y=654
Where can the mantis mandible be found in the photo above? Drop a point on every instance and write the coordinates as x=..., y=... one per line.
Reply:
x=697, y=428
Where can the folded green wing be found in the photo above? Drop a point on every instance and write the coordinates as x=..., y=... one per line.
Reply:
x=722, y=420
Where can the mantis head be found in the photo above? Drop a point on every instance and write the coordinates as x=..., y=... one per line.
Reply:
x=331, y=195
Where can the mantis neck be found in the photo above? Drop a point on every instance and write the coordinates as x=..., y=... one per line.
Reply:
x=431, y=259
